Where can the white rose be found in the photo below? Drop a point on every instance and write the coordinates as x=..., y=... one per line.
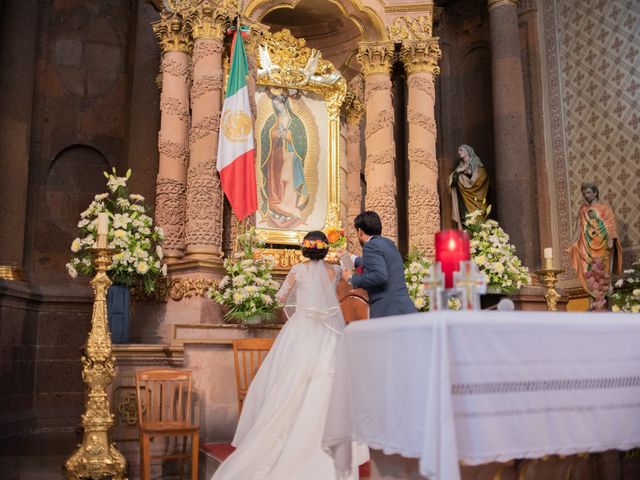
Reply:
x=163, y=270
x=75, y=245
x=71, y=270
x=142, y=267
x=159, y=251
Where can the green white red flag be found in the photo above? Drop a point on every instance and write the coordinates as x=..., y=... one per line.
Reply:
x=236, y=148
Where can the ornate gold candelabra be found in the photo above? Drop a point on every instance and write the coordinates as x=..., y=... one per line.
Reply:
x=97, y=457
x=549, y=278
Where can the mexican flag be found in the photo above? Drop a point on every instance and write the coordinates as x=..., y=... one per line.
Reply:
x=236, y=149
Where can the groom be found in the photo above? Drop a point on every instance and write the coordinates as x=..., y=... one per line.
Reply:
x=382, y=270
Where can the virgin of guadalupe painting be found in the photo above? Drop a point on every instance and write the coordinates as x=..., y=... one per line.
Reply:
x=288, y=159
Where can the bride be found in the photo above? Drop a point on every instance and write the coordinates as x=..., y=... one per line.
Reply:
x=280, y=429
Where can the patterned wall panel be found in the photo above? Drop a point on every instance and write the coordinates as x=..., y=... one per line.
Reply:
x=593, y=72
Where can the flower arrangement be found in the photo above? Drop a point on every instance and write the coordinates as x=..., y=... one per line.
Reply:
x=416, y=268
x=599, y=285
x=626, y=292
x=336, y=237
x=494, y=255
x=315, y=244
x=139, y=243
x=247, y=290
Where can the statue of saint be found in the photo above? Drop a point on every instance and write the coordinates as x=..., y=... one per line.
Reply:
x=284, y=148
x=595, y=241
x=469, y=185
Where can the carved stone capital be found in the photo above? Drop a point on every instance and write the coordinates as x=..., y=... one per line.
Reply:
x=173, y=33
x=497, y=3
x=376, y=57
x=411, y=28
x=207, y=21
x=353, y=109
x=421, y=56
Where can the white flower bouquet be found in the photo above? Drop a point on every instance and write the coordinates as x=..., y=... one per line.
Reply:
x=494, y=255
x=247, y=290
x=625, y=296
x=416, y=268
x=139, y=243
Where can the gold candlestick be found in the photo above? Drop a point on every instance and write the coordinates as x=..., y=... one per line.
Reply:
x=97, y=457
x=549, y=278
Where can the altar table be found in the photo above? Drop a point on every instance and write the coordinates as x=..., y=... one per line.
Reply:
x=477, y=387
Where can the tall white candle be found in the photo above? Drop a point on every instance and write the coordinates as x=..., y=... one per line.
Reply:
x=548, y=258
x=103, y=223
x=103, y=229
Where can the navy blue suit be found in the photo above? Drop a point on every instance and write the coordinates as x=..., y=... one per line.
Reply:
x=383, y=278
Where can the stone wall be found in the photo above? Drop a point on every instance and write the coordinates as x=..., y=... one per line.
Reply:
x=592, y=52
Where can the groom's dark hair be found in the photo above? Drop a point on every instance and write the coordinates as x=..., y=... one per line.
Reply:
x=369, y=222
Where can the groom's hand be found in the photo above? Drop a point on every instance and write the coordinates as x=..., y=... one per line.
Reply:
x=346, y=275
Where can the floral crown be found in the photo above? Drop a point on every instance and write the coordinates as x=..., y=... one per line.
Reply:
x=315, y=244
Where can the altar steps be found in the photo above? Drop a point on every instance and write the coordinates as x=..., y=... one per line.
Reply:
x=216, y=453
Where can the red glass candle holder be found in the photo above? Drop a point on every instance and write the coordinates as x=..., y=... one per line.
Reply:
x=452, y=247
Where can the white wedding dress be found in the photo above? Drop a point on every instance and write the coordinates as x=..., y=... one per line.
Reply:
x=280, y=430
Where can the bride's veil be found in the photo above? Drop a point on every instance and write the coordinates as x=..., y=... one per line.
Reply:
x=314, y=295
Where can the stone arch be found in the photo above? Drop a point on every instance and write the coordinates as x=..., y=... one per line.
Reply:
x=366, y=19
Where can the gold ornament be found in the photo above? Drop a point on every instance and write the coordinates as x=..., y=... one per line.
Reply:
x=96, y=457
x=190, y=287
x=207, y=21
x=12, y=272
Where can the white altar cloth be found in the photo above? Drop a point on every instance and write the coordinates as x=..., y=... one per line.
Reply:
x=478, y=387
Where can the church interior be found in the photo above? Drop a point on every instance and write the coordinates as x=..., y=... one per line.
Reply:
x=539, y=98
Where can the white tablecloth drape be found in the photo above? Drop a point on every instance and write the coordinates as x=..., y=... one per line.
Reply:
x=478, y=387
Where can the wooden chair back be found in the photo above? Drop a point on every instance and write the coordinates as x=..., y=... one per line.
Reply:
x=164, y=396
x=248, y=355
x=353, y=303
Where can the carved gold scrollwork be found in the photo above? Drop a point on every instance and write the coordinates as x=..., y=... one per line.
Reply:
x=284, y=258
x=128, y=409
x=173, y=33
x=421, y=56
x=407, y=28
x=376, y=57
x=190, y=287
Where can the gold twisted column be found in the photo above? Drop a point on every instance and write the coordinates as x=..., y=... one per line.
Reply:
x=354, y=113
x=174, y=37
x=97, y=457
x=376, y=59
x=420, y=59
x=204, y=207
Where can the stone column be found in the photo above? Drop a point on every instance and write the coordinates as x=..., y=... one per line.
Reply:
x=376, y=59
x=204, y=192
x=514, y=201
x=420, y=59
x=355, y=113
x=18, y=47
x=173, y=140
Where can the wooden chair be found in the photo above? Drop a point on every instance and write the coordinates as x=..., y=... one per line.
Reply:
x=353, y=303
x=248, y=355
x=164, y=410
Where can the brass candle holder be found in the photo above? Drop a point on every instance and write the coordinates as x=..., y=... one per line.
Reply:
x=549, y=278
x=96, y=457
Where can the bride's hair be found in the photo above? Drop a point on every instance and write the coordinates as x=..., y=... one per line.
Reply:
x=315, y=245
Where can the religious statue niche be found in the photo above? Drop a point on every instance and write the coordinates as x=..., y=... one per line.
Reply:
x=469, y=185
x=298, y=99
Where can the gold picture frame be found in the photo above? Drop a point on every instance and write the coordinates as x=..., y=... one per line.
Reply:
x=286, y=64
